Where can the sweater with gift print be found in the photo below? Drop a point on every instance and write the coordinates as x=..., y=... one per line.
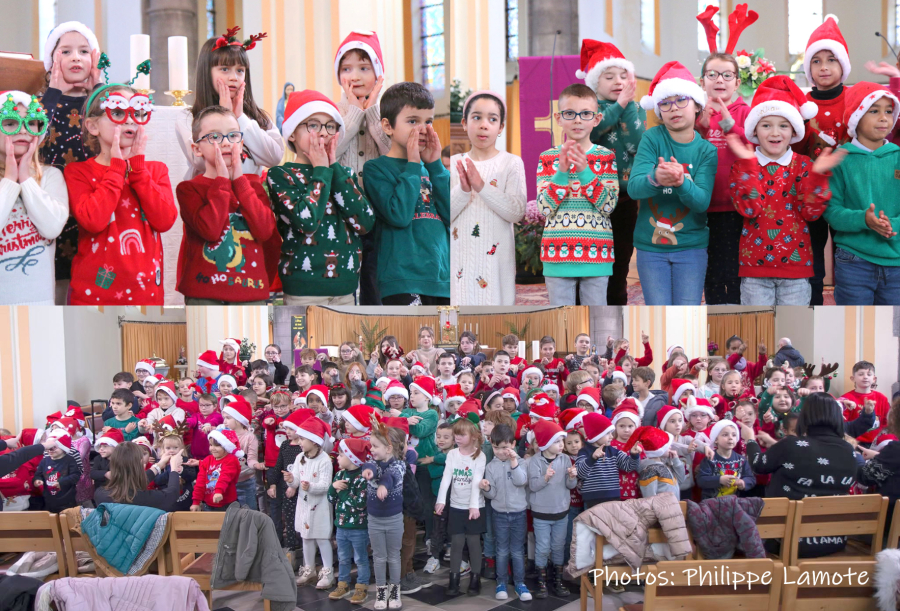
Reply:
x=321, y=213
x=350, y=503
x=577, y=239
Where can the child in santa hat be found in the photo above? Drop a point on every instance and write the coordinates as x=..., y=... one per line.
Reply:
x=409, y=188
x=236, y=416
x=727, y=471
x=208, y=372
x=662, y=470
x=625, y=420
x=670, y=419
x=229, y=361
x=215, y=487
x=671, y=235
x=423, y=419
x=165, y=399
x=777, y=205
x=283, y=509
x=17, y=487
x=58, y=473
x=106, y=443
x=577, y=181
x=622, y=123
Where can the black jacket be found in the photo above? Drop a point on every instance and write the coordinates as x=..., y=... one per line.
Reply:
x=159, y=499
x=282, y=373
x=883, y=472
x=12, y=461
x=63, y=472
x=790, y=355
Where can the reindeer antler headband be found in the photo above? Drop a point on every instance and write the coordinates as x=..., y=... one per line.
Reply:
x=738, y=21
x=230, y=38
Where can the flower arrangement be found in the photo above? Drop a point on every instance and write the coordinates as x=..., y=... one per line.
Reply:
x=753, y=69
x=528, y=240
x=712, y=348
x=248, y=349
x=457, y=99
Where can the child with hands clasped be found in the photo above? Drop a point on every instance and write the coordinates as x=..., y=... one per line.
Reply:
x=577, y=191
x=122, y=203
x=778, y=192
x=348, y=494
x=216, y=484
x=724, y=471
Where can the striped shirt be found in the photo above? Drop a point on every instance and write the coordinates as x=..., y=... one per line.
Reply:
x=600, y=478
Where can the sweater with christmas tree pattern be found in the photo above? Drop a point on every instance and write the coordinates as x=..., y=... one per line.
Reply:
x=321, y=213
x=577, y=239
x=349, y=503
x=620, y=130
x=777, y=200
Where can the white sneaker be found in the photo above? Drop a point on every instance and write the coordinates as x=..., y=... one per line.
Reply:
x=326, y=579
x=465, y=568
x=394, y=601
x=305, y=576
x=432, y=565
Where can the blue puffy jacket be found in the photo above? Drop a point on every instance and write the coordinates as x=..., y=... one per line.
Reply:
x=118, y=532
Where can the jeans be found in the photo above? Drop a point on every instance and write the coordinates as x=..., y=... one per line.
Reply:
x=510, y=530
x=573, y=513
x=246, y=493
x=353, y=547
x=549, y=540
x=275, y=512
x=386, y=537
x=490, y=540
x=298, y=300
x=775, y=291
x=672, y=278
x=859, y=282
x=562, y=291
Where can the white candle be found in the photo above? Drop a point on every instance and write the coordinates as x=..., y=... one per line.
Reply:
x=178, y=63
x=521, y=349
x=140, y=51
x=535, y=350
x=476, y=329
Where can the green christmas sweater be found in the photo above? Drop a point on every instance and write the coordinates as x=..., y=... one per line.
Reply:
x=349, y=504
x=423, y=431
x=321, y=213
x=620, y=130
x=412, y=204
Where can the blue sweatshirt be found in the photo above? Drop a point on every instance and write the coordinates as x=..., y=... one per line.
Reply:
x=390, y=475
x=65, y=474
x=600, y=478
x=711, y=470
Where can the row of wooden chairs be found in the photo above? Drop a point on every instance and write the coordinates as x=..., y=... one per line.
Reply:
x=192, y=540
x=789, y=521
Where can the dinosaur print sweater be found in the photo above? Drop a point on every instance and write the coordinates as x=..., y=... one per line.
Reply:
x=225, y=224
x=577, y=239
x=321, y=213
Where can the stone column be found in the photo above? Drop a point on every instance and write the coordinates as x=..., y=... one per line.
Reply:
x=545, y=18
x=170, y=18
x=605, y=321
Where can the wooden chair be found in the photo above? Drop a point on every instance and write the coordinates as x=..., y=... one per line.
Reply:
x=775, y=522
x=893, y=540
x=833, y=516
x=848, y=595
x=32, y=531
x=594, y=586
x=196, y=533
x=679, y=586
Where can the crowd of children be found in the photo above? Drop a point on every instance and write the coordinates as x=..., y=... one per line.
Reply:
x=496, y=457
x=252, y=222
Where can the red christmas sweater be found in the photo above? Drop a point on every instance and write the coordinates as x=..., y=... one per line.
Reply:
x=226, y=225
x=189, y=407
x=235, y=370
x=557, y=372
x=21, y=481
x=121, y=214
x=217, y=477
x=882, y=406
x=644, y=361
x=628, y=480
x=776, y=202
x=826, y=128
x=273, y=425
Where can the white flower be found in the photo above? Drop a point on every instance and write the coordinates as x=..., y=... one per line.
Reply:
x=743, y=61
x=802, y=443
x=823, y=461
x=788, y=465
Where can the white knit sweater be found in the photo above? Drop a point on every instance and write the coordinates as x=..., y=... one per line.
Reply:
x=477, y=277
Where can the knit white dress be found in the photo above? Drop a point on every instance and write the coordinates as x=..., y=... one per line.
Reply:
x=483, y=265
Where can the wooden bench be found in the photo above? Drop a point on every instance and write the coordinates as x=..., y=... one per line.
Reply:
x=32, y=531
x=893, y=540
x=835, y=516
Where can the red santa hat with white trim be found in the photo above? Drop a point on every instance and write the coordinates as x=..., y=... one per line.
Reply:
x=665, y=414
x=239, y=409
x=571, y=419
x=428, y=387
x=69, y=425
x=511, y=393
x=395, y=388
x=596, y=425
x=720, y=426
x=858, y=100
x=365, y=41
x=319, y=390
x=235, y=345
x=547, y=432
x=58, y=32
x=209, y=360
x=316, y=430
x=884, y=440
x=296, y=418
x=698, y=404
x=112, y=437
x=678, y=387
x=672, y=349
x=360, y=417
x=619, y=374
x=303, y=104
x=226, y=377
x=779, y=96
x=827, y=37
x=228, y=440
x=358, y=451
x=167, y=387
x=144, y=442
x=418, y=366
x=672, y=79
x=627, y=409
x=74, y=412
x=531, y=370
x=62, y=439
x=471, y=406
x=147, y=365
x=654, y=441
x=542, y=407
x=596, y=58
x=591, y=395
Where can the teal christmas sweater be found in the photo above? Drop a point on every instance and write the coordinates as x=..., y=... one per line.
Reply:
x=672, y=218
x=577, y=239
x=436, y=471
x=424, y=431
x=321, y=213
x=412, y=205
x=620, y=130
x=349, y=504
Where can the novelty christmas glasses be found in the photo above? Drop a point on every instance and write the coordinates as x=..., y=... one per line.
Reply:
x=35, y=119
x=118, y=108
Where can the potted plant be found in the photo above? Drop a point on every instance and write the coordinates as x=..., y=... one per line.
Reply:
x=248, y=349
x=712, y=348
x=529, y=268
x=457, y=99
x=371, y=336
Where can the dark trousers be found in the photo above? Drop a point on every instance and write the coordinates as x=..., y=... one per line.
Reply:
x=405, y=299
x=368, y=271
x=623, y=219
x=439, y=530
x=818, y=237
x=723, y=284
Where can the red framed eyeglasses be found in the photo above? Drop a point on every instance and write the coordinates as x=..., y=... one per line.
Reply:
x=118, y=108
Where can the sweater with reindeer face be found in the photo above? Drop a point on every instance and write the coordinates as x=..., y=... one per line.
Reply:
x=672, y=218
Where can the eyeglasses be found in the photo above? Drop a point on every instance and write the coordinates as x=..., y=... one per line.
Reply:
x=586, y=115
x=679, y=102
x=217, y=138
x=12, y=126
x=713, y=75
x=314, y=127
x=118, y=108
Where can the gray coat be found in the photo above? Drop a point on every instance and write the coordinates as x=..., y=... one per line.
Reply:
x=553, y=496
x=249, y=550
x=507, y=492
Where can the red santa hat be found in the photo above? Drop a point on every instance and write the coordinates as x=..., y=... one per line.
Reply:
x=57, y=33
x=858, y=100
x=316, y=430
x=359, y=451
x=61, y=439
x=364, y=41
x=167, y=387
x=144, y=442
x=511, y=393
x=228, y=440
x=300, y=397
x=626, y=411
x=720, y=426
x=383, y=379
x=531, y=371
x=665, y=414
x=630, y=403
x=418, y=366
x=397, y=423
x=884, y=440
x=619, y=374
x=426, y=385
x=29, y=437
x=51, y=418
x=548, y=386
x=591, y=395
x=235, y=345
x=698, y=404
x=239, y=409
x=672, y=79
x=779, y=96
x=170, y=422
x=299, y=416
x=69, y=425
x=147, y=365
x=395, y=387
x=542, y=407
x=546, y=433
x=319, y=390
x=360, y=417
x=678, y=387
x=672, y=349
x=471, y=406
x=827, y=36
x=654, y=441
x=571, y=419
x=74, y=412
x=209, y=360
x=596, y=425
x=303, y=104
x=596, y=58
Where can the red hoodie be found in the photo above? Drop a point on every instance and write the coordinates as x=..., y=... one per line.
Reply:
x=273, y=425
x=721, y=195
x=217, y=477
x=19, y=482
